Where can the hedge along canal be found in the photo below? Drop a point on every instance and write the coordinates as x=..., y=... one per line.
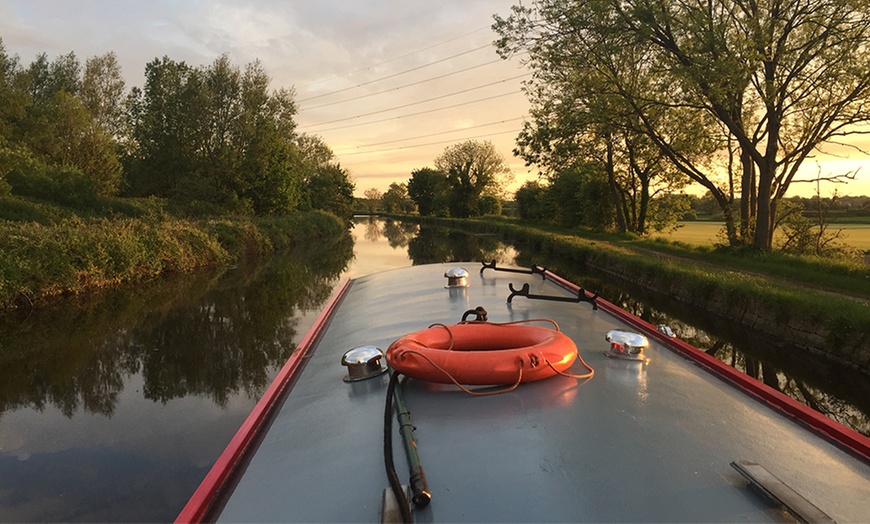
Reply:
x=73, y=256
x=835, y=327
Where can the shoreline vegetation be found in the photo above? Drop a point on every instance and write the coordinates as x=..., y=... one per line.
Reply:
x=818, y=305
x=76, y=255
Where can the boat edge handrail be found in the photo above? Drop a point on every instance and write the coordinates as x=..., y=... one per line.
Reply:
x=844, y=437
x=203, y=499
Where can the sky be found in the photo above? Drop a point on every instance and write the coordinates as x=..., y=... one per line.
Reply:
x=388, y=84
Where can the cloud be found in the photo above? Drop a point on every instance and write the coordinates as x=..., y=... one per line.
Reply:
x=387, y=56
x=318, y=48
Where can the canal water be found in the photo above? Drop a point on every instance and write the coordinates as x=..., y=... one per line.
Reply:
x=113, y=408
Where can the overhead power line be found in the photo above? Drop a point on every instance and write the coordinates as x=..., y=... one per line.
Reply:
x=410, y=138
x=414, y=114
x=344, y=119
x=430, y=79
x=390, y=150
x=417, y=68
x=412, y=53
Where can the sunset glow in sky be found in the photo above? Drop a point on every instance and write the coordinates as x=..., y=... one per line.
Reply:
x=387, y=84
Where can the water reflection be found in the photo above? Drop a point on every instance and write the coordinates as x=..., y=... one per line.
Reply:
x=210, y=336
x=435, y=245
x=384, y=244
x=113, y=408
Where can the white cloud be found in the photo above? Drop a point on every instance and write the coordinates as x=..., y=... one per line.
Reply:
x=316, y=47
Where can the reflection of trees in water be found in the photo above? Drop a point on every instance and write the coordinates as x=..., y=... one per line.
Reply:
x=839, y=392
x=373, y=229
x=436, y=245
x=208, y=335
x=400, y=234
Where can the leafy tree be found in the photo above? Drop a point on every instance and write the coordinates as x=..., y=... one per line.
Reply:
x=65, y=134
x=326, y=185
x=396, y=199
x=428, y=189
x=223, y=129
x=579, y=117
x=778, y=80
x=275, y=187
x=263, y=136
x=667, y=210
x=473, y=169
x=44, y=79
x=102, y=92
x=490, y=205
x=313, y=151
x=13, y=100
x=166, y=117
x=803, y=235
x=329, y=188
x=373, y=198
x=531, y=204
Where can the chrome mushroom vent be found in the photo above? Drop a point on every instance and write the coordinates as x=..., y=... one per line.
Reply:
x=626, y=345
x=363, y=362
x=456, y=277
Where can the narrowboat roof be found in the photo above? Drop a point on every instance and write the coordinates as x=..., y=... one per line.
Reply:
x=650, y=440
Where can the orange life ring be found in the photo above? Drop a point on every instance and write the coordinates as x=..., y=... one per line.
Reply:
x=478, y=353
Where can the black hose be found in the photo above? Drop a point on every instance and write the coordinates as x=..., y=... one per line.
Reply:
x=395, y=483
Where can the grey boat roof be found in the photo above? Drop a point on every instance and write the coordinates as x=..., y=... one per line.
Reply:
x=639, y=441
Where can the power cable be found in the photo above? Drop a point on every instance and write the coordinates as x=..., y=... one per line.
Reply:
x=396, y=74
x=394, y=59
x=402, y=86
x=440, y=133
x=390, y=150
x=414, y=114
x=419, y=102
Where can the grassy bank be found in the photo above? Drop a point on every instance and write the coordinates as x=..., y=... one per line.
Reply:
x=817, y=304
x=855, y=234
x=68, y=254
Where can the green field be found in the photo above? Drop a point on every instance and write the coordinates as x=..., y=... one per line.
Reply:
x=705, y=234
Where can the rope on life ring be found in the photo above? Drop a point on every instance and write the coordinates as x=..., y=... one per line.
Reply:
x=571, y=375
x=463, y=388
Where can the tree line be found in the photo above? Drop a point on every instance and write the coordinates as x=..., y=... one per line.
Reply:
x=468, y=179
x=633, y=99
x=209, y=139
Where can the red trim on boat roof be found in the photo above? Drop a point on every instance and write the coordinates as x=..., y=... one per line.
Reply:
x=204, y=497
x=827, y=427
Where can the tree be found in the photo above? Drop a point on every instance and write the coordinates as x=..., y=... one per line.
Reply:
x=396, y=199
x=576, y=124
x=778, y=80
x=531, y=204
x=63, y=133
x=473, y=169
x=326, y=185
x=48, y=137
x=13, y=100
x=428, y=189
x=166, y=117
x=329, y=188
x=46, y=78
x=217, y=135
x=262, y=134
x=489, y=205
x=579, y=197
x=373, y=199
x=102, y=92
